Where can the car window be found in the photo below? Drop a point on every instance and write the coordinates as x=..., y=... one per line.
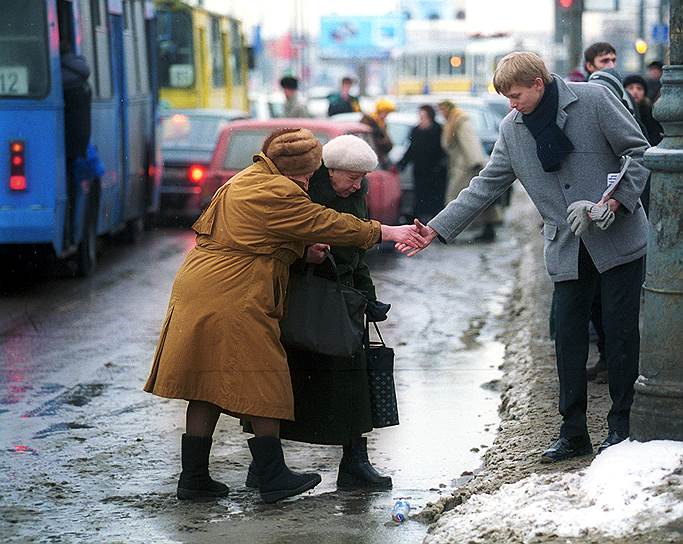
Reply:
x=185, y=131
x=244, y=144
x=476, y=117
x=399, y=132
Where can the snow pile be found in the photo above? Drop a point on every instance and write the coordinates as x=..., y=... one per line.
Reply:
x=631, y=487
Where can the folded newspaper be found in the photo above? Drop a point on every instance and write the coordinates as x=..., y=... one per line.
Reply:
x=614, y=179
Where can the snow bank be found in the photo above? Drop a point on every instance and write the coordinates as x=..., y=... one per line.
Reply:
x=629, y=488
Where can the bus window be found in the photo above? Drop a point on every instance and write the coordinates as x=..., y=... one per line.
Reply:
x=132, y=83
x=217, y=59
x=24, y=50
x=141, y=47
x=176, y=65
x=98, y=13
x=236, y=49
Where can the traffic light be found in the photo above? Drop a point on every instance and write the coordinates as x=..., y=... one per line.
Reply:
x=641, y=46
x=566, y=4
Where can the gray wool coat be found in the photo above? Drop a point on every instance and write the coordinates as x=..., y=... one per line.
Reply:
x=602, y=131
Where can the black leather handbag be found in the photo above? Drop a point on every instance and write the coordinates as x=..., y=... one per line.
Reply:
x=323, y=316
x=380, y=365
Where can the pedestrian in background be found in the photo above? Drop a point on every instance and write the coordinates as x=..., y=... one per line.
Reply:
x=343, y=101
x=654, y=80
x=293, y=108
x=219, y=347
x=465, y=159
x=331, y=396
x=598, y=56
x=377, y=121
x=562, y=143
x=430, y=165
x=637, y=87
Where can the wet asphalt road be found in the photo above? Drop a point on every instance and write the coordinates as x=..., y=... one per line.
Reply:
x=87, y=456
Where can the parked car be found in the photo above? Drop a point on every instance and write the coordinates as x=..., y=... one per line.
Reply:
x=238, y=143
x=187, y=142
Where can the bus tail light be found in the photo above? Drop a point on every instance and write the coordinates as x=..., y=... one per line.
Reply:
x=17, y=176
x=196, y=173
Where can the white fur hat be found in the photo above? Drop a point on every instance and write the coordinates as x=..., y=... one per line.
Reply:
x=349, y=152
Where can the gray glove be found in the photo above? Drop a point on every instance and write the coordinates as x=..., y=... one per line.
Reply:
x=578, y=217
x=601, y=215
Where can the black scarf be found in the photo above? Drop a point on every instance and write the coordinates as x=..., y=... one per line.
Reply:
x=552, y=145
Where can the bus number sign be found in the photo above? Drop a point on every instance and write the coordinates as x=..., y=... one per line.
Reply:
x=13, y=80
x=181, y=75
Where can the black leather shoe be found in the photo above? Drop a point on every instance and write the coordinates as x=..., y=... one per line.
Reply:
x=566, y=448
x=195, y=481
x=613, y=437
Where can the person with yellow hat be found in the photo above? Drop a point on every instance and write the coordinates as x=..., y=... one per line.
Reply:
x=219, y=347
x=377, y=122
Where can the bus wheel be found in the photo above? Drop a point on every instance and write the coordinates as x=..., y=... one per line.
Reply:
x=133, y=230
x=86, y=256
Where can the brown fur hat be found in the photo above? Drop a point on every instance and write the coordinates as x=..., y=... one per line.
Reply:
x=294, y=151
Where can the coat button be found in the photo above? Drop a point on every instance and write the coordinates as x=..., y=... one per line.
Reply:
x=567, y=186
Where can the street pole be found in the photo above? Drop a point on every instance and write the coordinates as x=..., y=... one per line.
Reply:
x=657, y=411
x=641, y=35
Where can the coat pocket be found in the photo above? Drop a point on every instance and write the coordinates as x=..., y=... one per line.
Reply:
x=549, y=231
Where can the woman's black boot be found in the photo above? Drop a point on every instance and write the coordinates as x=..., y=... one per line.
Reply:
x=275, y=480
x=356, y=471
x=252, y=476
x=195, y=482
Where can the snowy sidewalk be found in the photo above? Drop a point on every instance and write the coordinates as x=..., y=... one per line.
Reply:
x=632, y=493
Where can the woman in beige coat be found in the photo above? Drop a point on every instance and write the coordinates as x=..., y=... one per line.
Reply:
x=466, y=158
x=220, y=347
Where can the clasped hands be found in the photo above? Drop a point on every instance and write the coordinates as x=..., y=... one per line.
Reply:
x=409, y=239
x=583, y=213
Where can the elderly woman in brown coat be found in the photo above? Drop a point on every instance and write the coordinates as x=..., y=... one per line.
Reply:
x=219, y=346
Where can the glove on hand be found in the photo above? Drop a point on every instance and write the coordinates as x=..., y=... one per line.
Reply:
x=578, y=217
x=376, y=310
x=601, y=215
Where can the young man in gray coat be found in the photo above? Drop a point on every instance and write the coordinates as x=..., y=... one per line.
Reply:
x=561, y=141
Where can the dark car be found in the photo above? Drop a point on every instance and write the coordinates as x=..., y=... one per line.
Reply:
x=188, y=140
x=239, y=142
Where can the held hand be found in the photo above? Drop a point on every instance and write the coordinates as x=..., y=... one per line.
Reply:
x=404, y=234
x=612, y=203
x=427, y=233
x=316, y=253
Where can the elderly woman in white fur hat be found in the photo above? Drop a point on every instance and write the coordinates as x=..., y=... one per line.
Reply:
x=331, y=398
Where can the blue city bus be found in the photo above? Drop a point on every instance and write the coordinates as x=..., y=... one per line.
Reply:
x=45, y=204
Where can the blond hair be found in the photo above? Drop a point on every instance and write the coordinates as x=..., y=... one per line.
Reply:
x=519, y=68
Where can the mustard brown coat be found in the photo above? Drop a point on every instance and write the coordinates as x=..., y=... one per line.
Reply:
x=220, y=341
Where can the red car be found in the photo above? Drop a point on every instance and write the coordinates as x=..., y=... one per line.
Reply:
x=241, y=140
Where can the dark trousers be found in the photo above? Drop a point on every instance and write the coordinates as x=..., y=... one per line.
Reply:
x=620, y=297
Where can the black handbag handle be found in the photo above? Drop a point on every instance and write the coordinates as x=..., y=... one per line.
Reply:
x=367, y=335
x=328, y=254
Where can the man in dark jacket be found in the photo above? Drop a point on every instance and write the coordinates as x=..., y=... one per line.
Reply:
x=343, y=101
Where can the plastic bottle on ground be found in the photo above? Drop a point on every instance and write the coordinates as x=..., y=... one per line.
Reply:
x=399, y=512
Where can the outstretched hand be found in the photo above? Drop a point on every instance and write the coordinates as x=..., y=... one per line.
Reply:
x=407, y=235
x=426, y=233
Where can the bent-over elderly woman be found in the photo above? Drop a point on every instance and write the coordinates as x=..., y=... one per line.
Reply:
x=219, y=346
x=331, y=396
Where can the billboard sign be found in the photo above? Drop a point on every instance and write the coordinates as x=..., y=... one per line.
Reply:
x=360, y=37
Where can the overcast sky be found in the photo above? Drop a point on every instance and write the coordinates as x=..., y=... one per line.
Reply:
x=487, y=16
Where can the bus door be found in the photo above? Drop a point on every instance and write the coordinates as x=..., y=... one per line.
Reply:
x=139, y=116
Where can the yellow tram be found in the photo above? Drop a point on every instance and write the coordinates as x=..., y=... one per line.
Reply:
x=202, y=58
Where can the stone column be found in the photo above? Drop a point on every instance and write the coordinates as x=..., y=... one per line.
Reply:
x=657, y=411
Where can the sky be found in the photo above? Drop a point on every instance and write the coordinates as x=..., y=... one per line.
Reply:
x=486, y=16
